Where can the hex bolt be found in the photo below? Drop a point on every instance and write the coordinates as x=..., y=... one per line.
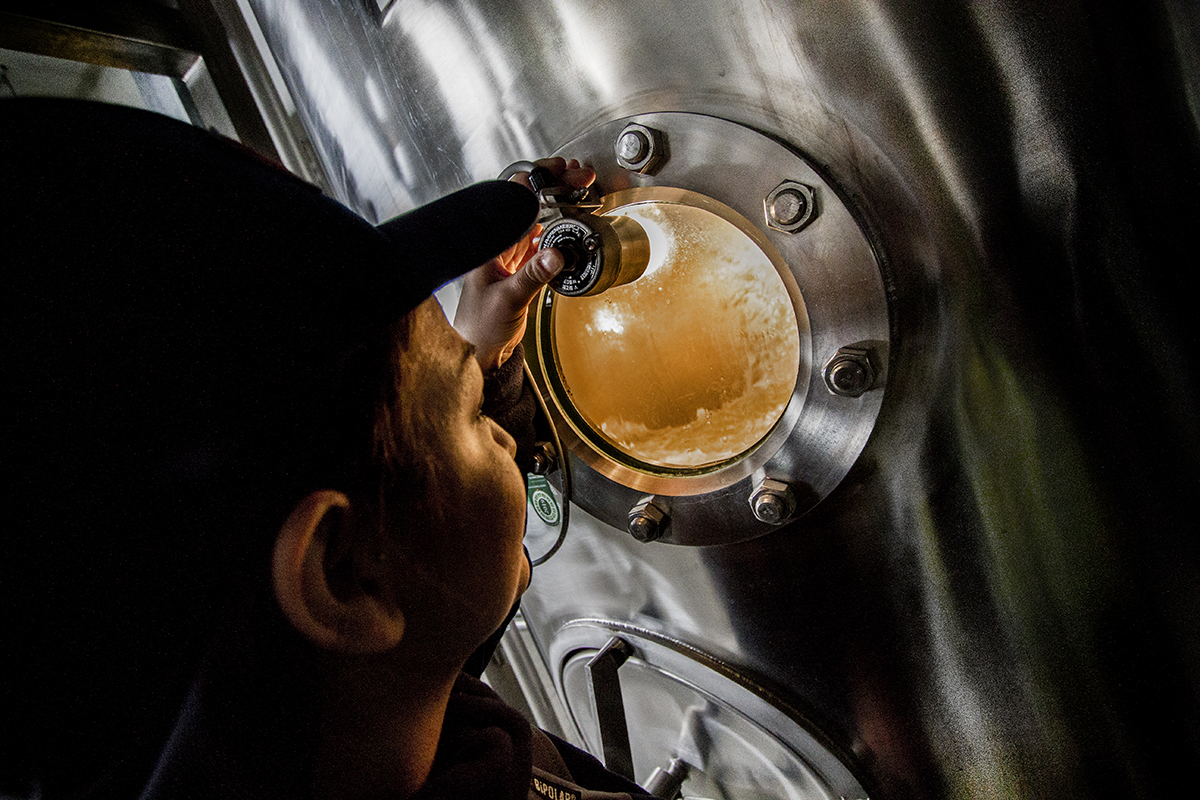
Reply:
x=772, y=501
x=545, y=458
x=647, y=521
x=790, y=206
x=633, y=146
x=850, y=372
x=640, y=149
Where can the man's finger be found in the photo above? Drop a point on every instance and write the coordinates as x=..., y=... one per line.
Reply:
x=555, y=164
x=579, y=177
x=536, y=273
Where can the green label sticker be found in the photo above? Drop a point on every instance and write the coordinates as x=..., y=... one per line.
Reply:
x=542, y=500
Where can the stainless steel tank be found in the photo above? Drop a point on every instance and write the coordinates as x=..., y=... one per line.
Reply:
x=983, y=582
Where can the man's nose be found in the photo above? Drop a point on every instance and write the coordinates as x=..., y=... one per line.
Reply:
x=503, y=439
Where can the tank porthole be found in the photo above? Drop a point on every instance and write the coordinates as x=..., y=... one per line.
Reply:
x=744, y=352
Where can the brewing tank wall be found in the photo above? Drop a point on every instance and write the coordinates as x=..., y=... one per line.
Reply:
x=998, y=599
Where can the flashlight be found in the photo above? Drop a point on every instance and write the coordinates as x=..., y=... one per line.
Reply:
x=599, y=252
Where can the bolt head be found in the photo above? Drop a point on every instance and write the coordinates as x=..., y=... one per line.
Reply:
x=850, y=372
x=848, y=377
x=790, y=207
x=772, y=502
x=632, y=146
x=643, y=529
x=769, y=508
x=639, y=148
x=646, y=521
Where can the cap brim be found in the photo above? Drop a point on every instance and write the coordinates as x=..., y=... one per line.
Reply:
x=439, y=241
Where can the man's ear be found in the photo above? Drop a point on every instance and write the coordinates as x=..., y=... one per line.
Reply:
x=349, y=616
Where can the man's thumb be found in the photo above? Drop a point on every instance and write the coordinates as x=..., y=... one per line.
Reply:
x=539, y=271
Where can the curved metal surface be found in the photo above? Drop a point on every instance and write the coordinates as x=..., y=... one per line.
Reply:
x=736, y=738
x=1000, y=599
x=838, y=294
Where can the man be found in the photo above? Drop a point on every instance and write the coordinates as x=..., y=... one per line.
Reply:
x=258, y=519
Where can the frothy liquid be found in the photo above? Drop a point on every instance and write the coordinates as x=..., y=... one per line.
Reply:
x=694, y=362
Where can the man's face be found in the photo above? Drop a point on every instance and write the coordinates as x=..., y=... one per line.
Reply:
x=472, y=564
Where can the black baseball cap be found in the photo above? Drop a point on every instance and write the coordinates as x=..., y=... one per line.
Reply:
x=158, y=187
x=170, y=302
x=142, y=253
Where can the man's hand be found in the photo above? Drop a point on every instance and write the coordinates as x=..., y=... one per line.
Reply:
x=492, y=308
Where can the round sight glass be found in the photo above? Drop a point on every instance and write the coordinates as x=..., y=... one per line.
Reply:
x=691, y=365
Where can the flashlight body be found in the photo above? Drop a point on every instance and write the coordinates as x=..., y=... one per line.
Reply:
x=598, y=252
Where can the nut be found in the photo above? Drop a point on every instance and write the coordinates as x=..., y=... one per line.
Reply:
x=640, y=149
x=646, y=521
x=790, y=207
x=850, y=372
x=772, y=501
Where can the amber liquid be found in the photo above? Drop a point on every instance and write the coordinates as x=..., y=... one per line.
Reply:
x=693, y=363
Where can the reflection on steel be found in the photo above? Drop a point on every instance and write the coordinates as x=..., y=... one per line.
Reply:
x=205, y=51
x=968, y=614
